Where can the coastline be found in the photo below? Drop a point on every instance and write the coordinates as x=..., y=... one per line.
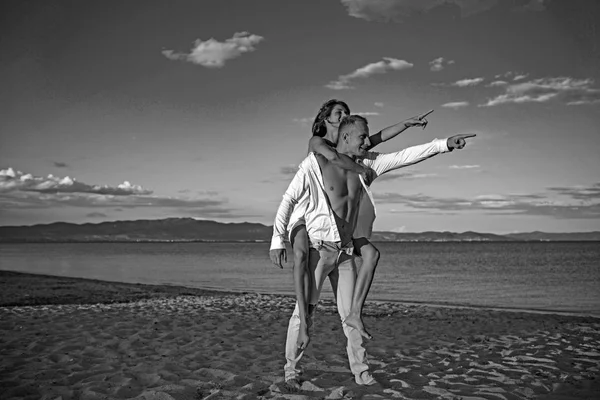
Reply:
x=9, y=297
x=81, y=338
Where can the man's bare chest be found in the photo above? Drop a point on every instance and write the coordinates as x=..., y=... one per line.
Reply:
x=341, y=183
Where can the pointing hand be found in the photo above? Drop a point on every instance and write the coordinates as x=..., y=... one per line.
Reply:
x=458, y=141
x=419, y=120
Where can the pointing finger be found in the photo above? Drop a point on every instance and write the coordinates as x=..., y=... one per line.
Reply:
x=467, y=135
x=424, y=115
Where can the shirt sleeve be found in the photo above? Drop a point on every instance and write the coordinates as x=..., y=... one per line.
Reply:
x=292, y=195
x=381, y=163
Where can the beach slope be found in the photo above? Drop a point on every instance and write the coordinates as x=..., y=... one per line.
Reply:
x=73, y=338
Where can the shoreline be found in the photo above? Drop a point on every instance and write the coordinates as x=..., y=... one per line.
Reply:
x=174, y=288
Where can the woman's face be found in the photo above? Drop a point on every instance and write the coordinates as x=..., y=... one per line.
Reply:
x=335, y=117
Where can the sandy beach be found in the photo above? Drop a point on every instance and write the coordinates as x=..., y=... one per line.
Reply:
x=68, y=338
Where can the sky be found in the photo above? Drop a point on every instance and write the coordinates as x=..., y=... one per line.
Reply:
x=146, y=109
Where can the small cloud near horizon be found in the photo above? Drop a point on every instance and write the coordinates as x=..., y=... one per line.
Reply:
x=579, y=192
x=463, y=166
x=96, y=215
x=213, y=54
x=578, y=202
x=19, y=191
x=11, y=180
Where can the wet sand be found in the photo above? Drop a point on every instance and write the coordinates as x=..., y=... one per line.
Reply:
x=73, y=338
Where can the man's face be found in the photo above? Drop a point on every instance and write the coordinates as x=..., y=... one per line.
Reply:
x=358, y=140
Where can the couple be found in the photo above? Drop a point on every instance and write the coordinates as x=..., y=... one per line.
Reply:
x=329, y=212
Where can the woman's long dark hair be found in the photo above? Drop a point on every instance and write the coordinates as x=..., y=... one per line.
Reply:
x=318, y=127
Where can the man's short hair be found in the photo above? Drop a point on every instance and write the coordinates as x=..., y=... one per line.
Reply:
x=348, y=123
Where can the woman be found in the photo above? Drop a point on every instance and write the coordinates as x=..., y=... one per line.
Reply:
x=324, y=139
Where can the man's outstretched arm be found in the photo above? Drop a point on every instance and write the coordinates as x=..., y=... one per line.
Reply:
x=382, y=163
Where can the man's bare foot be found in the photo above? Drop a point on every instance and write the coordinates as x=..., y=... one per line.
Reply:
x=365, y=379
x=353, y=320
x=303, y=338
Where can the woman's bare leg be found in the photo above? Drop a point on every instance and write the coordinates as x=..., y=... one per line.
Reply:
x=334, y=277
x=370, y=256
x=302, y=281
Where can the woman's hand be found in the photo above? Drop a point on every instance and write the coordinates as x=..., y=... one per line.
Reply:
x=419, y=120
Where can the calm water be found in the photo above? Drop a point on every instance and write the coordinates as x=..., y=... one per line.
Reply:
x=559, y=276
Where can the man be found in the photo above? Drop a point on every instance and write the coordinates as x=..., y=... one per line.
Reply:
x=341, y=207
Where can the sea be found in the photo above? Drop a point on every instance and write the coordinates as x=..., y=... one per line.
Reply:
x=537, y=276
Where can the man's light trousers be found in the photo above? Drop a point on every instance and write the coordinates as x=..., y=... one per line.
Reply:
x=325, y=257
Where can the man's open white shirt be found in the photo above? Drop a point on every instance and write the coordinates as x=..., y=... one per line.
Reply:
x=305, y=201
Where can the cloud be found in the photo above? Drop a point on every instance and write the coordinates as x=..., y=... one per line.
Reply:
x=532, y=5
x=25, y=191
x=579, y=192
x=378, y=104
x=213, y=54
x=497, y=83
x=456, y=104
x=96, y=215
x=289, y=170
x=60, y=164
x=463, y=166
x=31, y=200
x=576, y=203
x=468, y=82
x=379, y=67
x=390, y=176
x=570, y=91
x=512, y=74
x=438, y=64
x=399, y=10
x=308, y=121
x=304, y=121
x=11, y=180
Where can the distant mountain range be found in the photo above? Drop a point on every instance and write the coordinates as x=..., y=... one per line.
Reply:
x=192, y=230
